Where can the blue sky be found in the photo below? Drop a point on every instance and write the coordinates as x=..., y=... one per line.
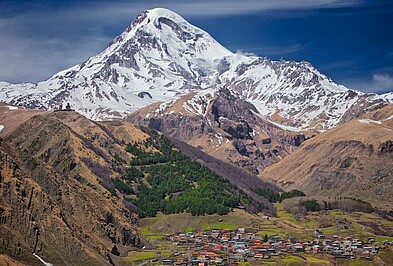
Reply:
x=349, y=41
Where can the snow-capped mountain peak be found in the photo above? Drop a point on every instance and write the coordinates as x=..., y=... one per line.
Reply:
x=162, y=35
x=161, y=56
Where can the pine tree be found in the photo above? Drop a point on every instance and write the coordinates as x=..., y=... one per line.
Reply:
x=265, y=238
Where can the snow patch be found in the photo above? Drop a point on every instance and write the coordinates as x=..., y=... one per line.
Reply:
x=368, y=121
x=12, y=107
x=165, y=105
x=199, y=103
x=364, y=121
x=44, y=262
x=219, y=138
x=1, y=127
x=390, y=117
x=288, y=128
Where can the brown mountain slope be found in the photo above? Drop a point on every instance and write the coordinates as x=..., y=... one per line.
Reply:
x=352, y=160
x=56, y=170
x=12, y=116
x=59, y=197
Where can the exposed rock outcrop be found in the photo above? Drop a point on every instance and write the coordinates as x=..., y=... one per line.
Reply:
x=224, y=126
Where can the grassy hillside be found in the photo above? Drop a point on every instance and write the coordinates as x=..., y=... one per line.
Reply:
x=353, y=160
x=358, y=225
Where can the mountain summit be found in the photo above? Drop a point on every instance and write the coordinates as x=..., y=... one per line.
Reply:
x=161, y=56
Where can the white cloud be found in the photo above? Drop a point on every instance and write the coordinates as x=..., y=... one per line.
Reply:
x=56, y=42
x=276, y=50
x=233, y=7
x=383, y=82
x=241, y=52
x=32, y=60
x=379, y=83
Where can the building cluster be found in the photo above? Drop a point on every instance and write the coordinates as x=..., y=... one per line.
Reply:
x=225, y=246
x=66, y=109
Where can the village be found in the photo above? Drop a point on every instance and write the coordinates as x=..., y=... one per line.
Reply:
x=223, y=247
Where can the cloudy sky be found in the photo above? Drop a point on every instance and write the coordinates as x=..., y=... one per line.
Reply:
x=349, y=41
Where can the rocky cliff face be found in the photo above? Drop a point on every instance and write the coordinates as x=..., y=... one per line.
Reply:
x=223, y=125
x=53, y=202
x=31, y=222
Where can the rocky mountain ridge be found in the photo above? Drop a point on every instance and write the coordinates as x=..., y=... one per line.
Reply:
x=160, y=57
